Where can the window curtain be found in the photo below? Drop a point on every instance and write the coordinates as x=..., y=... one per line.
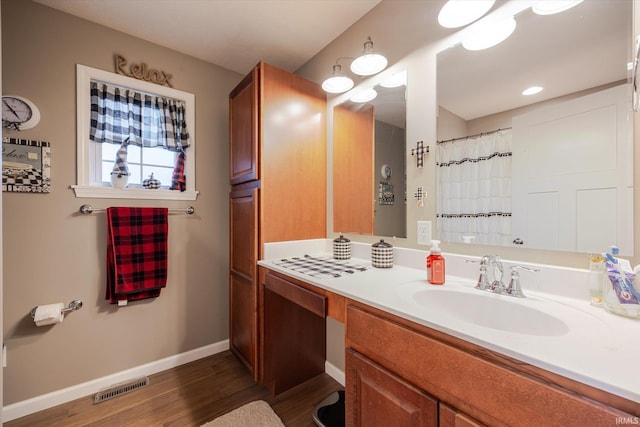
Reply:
x=474, y=189
x=121, y=114
x=147, y=120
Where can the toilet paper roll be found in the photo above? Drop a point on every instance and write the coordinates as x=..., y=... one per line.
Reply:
x=48, y=314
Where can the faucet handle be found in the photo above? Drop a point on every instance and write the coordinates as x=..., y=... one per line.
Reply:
x=514, y=289
x=483, y=281
x=484, y=261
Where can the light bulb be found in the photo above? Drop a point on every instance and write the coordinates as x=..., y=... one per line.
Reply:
x=338, y=82
x=364, y=96
x=369, y=62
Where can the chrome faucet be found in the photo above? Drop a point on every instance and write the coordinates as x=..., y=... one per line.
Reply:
x=492, y=265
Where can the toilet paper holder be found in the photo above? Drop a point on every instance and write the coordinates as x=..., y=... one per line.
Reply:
x=74, y=305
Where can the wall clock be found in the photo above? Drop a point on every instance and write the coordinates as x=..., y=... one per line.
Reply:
x=19, y=113
x=385, y=171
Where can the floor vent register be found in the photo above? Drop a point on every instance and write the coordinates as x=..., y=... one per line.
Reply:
x=120, y=389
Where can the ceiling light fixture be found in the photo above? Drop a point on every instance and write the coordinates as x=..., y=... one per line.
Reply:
x=369, y=62
x=532, y=90
x=490, y=34
x=549, y=7
x=364, y=95
x=338, y=82
x=395, y=80
x=457, y=13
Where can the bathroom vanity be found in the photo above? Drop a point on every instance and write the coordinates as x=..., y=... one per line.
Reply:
x=413, y=359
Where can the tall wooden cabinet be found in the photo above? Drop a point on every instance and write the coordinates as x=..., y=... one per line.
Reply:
x=277, y=127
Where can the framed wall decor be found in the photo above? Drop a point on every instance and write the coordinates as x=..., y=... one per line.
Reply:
x=385, y=194
x=26, y=166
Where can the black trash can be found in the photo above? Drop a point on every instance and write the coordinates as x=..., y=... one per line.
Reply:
x=330, y=412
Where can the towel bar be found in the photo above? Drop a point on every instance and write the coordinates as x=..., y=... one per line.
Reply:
x=88, y=209
x=74, y=305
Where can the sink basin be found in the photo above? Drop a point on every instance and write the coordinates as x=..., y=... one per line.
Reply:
x=484, y=309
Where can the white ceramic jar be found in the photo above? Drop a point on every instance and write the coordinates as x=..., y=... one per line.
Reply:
x=341, y=248
x=382, y=254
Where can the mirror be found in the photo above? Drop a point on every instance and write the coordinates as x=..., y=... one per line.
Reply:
x=564, y=168
x=369, y=165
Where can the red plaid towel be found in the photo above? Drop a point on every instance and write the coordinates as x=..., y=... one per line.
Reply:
x=136, y=253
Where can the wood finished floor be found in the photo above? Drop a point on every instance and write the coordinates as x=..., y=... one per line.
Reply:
x=189, y=395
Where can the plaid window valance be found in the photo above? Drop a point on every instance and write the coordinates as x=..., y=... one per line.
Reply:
x=118, y=113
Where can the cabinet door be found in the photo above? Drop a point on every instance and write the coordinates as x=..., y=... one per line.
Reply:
x=450, y=417
x=293, y=157
x=243, y=289
x=377, y=397
x=243, y=130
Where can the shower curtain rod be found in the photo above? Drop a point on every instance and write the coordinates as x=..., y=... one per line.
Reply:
x=472, y=136
x=88, y=209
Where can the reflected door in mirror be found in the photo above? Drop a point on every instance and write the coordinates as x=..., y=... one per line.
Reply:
x=572, y=162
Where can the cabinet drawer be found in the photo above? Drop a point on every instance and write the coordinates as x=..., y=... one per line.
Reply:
x=450, y=417
x=485, y=390
x=309, y=300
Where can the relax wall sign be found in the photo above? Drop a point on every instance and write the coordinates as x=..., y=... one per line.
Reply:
x=141, y=72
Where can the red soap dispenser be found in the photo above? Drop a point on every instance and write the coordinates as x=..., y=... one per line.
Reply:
x=435, y=264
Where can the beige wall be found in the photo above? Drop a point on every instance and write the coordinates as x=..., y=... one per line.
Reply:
x=52, y=254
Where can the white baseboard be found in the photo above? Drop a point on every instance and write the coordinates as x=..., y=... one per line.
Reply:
x=334, y=372
x=38, y=403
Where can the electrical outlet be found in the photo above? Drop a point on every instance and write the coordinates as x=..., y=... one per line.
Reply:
x=424, y=232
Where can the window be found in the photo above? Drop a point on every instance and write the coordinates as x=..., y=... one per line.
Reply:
x=141, y=126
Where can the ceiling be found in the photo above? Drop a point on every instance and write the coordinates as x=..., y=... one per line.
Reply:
x=234, y=34
x=564, y=53
x=584, y=47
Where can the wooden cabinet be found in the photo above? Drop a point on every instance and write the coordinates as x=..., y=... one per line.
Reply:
x=353, y=175
x=377, y=397
x=450, y=417
x=243, y=129
x=243, y=250
x=277, y=163
x=473, y=385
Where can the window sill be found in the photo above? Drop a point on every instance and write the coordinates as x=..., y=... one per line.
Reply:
x=132, y=193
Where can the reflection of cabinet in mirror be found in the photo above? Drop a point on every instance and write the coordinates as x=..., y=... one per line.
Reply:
x=369, y=141
x=353, y=133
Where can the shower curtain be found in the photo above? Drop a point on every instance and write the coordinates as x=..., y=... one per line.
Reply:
x=474, y=189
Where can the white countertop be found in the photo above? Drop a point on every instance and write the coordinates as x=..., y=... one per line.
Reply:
x=599, y=348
